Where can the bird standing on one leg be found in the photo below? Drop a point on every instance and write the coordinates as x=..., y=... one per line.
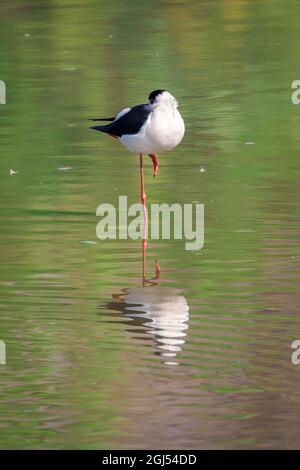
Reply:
x=147, y=129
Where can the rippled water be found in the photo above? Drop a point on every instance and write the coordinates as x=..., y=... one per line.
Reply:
x=201, y=359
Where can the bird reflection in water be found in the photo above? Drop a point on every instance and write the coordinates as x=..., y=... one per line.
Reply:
x=160, y=313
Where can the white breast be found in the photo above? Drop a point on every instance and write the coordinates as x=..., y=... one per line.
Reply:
x=163, y=130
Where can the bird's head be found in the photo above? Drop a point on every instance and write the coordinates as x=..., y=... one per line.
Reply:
x=159, y=98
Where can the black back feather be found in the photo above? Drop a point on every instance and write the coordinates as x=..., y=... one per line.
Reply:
x=129, y=123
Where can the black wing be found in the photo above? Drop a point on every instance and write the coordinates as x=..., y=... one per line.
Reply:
x=129, y=123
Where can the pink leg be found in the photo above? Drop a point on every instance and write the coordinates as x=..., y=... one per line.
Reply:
x=144, y=240
x=157, y=270
x=143, y=194
x=144, y=248
x=154, y=280
x=143, y=198
x=155, y=164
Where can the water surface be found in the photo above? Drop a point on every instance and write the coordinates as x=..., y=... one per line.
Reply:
x=202, y=358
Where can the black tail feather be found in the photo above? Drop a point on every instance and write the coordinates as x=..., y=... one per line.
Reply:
x=101, y=128
x=103, y=119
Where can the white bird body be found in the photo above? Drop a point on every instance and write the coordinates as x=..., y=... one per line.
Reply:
x=163, y=129
x=148, y=128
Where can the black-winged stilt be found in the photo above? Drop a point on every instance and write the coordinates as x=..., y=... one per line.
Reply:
x=147, y=129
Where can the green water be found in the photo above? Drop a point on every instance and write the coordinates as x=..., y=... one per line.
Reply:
x=82, y=370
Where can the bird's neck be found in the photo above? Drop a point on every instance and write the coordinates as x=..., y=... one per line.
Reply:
x=163, y=108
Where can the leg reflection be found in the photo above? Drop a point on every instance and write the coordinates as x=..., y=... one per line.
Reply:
x=155, y=279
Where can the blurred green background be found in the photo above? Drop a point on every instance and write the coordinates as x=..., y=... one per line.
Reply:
x=80, y=372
